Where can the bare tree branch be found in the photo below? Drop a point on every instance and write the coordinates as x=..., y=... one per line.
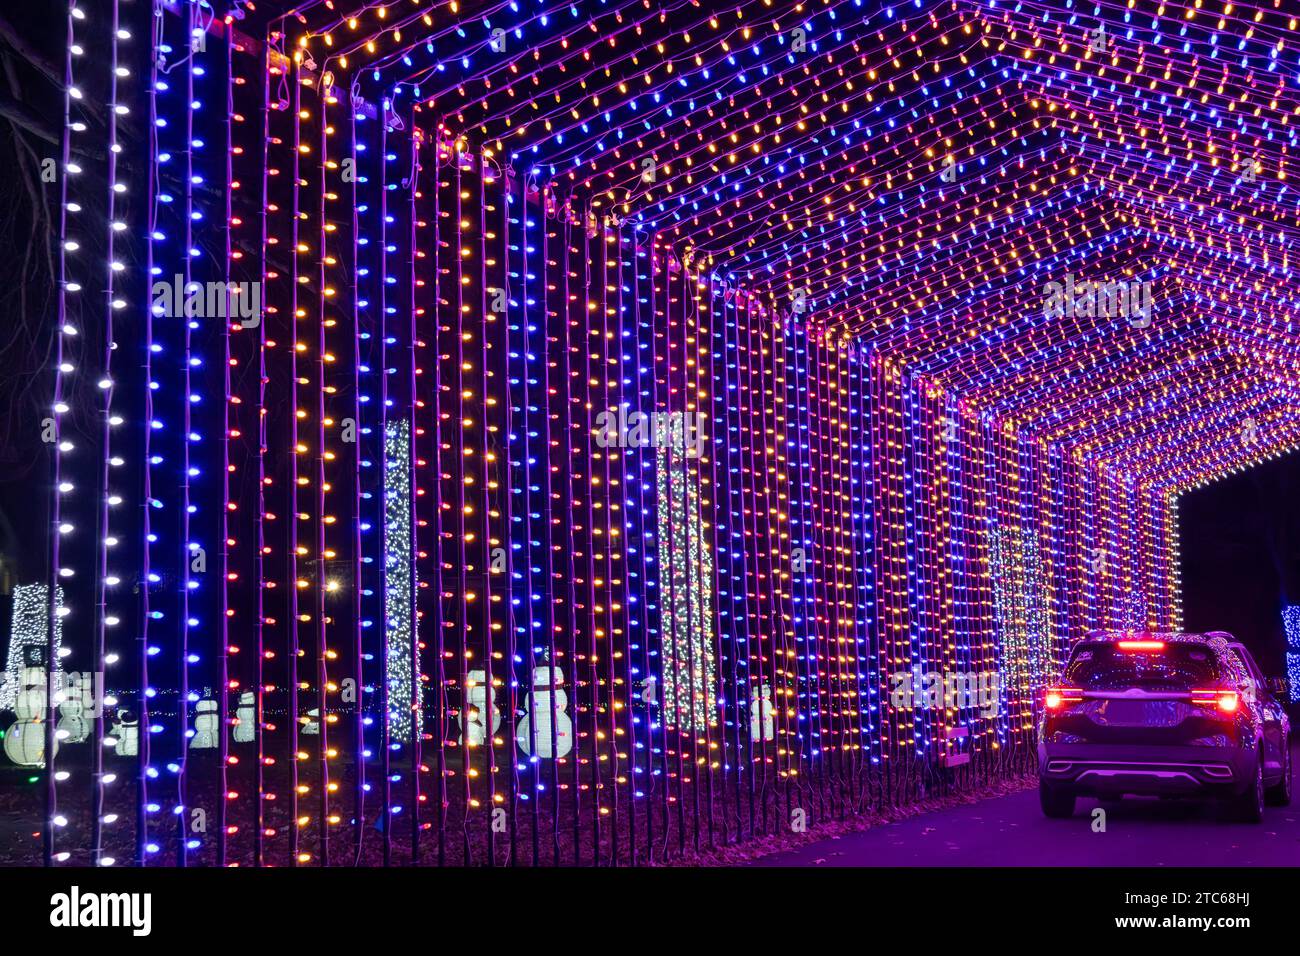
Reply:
x=21, y=116
x=23, y=49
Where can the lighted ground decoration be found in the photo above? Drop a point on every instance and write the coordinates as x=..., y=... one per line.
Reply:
x=913, y=323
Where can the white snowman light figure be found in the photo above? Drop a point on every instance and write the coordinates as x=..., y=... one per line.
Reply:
x=207, y=725
x=73, y=727
x=536, y=728
x=245, y=719
x=126, y=731
x=480, y=697
x=25, y=739
x=761, y=724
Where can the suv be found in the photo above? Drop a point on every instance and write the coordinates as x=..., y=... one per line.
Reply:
x=1163, y=714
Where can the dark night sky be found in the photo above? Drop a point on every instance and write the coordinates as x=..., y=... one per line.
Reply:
x=1241, y=556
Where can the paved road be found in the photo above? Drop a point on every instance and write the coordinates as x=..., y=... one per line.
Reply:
x=1012, y=831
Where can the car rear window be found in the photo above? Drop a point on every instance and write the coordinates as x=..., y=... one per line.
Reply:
x=1249, y=666
x=1106, y=666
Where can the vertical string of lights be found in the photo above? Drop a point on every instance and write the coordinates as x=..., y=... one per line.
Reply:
x=475, y=250
x=672, y=504
x=933, y=530
x=698, y=580
x=882, y=534
x=962, y=657
x=325, y=584
x=987, y=432
x=608, y=570
x=294, y=583
x=242, y=611
x=495, y=309
x=65, y=358
x=846, y=641
x=820, y=731
x=517, y=471
x=822, y=665
x=414, y=465
x=414, y=689
x=195, y=343
x=105, y=496
x=1175, y=584
x=874, y=677
x=272, y=64
x=403, y=651
x=554, y=359
x=676, y=688
x=845, y=650
x=733, y=418
x=437, y=416
x=849, y=650
x=645, y=463
x=890, y=531
x=362, y=464
x=235, y=304
x=692, y=594
x=559, y=649
x=576, y=311
x=394, y=492
x=795, y=566
x=179, y=766
x=516, y=548
x=792, y=689
x=827, y=668
x=798, y=706
x=535, y=316
x=695, y=434
x=586, y=659
x=424, y=587
x=761, y=554
x=919, y=426
x=763, y=545
x=624, y=603
x=148, y=577
x=739, y=760
x=584, y=656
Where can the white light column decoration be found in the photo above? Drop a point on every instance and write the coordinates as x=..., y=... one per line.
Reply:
x=27, y=628
x=690, y=678
x=399, y=574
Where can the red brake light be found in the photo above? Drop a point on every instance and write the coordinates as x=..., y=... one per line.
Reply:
x=1058, y=697
x=1141, y=645
x=1225, y=700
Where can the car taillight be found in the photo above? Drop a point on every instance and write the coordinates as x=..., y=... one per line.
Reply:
x=1058, y=697
x=1226, y=701
x=1141, y=645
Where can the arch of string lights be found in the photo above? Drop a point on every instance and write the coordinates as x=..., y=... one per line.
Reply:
x=604, y=403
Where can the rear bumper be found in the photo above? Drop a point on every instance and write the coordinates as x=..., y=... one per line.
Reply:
x=1117, y=769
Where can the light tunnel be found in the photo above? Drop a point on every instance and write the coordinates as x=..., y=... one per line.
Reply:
x=610, y=432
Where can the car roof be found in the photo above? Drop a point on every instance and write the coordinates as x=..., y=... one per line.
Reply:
x=1195, y=637
x=1217, y=641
